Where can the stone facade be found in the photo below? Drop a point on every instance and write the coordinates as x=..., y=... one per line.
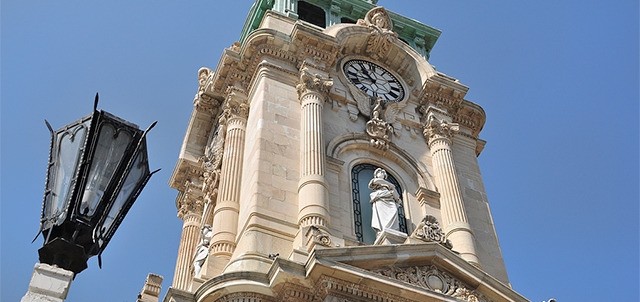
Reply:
x=268, y=158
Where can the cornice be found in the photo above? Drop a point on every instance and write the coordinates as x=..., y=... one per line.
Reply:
x=314, y=44
x=447, y=94
x=184, y=171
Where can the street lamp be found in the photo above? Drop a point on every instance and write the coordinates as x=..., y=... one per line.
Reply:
x=97, y=168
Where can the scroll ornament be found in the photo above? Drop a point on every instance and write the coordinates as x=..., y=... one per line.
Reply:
x=318, y=236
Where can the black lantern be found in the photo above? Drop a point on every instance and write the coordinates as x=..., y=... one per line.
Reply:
x=97, y=168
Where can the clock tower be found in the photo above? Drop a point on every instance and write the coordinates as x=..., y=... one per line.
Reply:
x=327, y=160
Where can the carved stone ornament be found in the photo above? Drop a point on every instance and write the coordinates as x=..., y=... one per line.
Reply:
x=210, y=182
x=434, y=129
x=202, y=101
x=292, y=292
x=433, y=279
x=336, y=290
x=215, y=149
x=379, y=130
x=318, y=236
x=381, y=29
x=245, y=297
x=190, y=201
x=312, y=83
x=203, y=75
x=235, y=105
x=429, y=230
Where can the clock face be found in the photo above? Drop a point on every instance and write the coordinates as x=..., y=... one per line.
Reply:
x=374, y=80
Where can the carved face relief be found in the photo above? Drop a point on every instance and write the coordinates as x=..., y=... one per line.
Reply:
x=374, y=80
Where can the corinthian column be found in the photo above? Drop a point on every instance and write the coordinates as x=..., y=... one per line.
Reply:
x=225, y=214
x=312, y=188
x=190, y=211
x=438, y=133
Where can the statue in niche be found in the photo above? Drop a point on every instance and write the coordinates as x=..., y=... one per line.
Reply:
x=384, y=202
x=202, y=250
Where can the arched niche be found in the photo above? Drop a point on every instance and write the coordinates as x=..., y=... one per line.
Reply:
x=353, y=149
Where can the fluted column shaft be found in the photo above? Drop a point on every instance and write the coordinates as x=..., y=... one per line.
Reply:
x=225, y=214
x=190, y=212
x=454, y=218
x=313, y=206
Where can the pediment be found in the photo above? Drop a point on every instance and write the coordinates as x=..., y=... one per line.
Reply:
x=426, y=271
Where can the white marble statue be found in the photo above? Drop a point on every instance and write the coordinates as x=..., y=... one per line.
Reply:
x=202, y=250
x=384, y=200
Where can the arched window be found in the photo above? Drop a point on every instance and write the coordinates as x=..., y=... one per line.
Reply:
x=312, y=14
x=360, y=176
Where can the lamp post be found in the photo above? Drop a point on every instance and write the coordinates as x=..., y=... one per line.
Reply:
x=97, y=167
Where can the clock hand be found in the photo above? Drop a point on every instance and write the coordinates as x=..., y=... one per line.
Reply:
x=364, y=70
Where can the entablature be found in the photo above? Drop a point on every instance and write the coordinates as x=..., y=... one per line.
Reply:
x=407, y=273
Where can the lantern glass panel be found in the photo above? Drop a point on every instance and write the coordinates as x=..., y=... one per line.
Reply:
x=136, y=177
x=65, y=162
x=109, y=150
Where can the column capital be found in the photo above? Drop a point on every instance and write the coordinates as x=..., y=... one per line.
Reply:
x=313, y=83
x=235, y=104
x=190, y=201
x=437, y=129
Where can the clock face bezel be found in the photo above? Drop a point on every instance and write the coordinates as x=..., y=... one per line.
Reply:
x=374, y=80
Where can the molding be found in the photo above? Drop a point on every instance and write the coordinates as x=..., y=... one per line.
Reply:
x=350, y=141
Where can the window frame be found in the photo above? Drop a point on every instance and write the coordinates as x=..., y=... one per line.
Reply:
x=358, y=223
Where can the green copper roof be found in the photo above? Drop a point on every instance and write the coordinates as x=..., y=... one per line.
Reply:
x=420, y=36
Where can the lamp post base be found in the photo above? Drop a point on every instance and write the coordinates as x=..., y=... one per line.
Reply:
x=48, y=284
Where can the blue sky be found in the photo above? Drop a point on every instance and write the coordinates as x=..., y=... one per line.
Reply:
x=558, y=80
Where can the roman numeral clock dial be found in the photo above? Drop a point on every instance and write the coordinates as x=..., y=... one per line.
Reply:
x=374, y=80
